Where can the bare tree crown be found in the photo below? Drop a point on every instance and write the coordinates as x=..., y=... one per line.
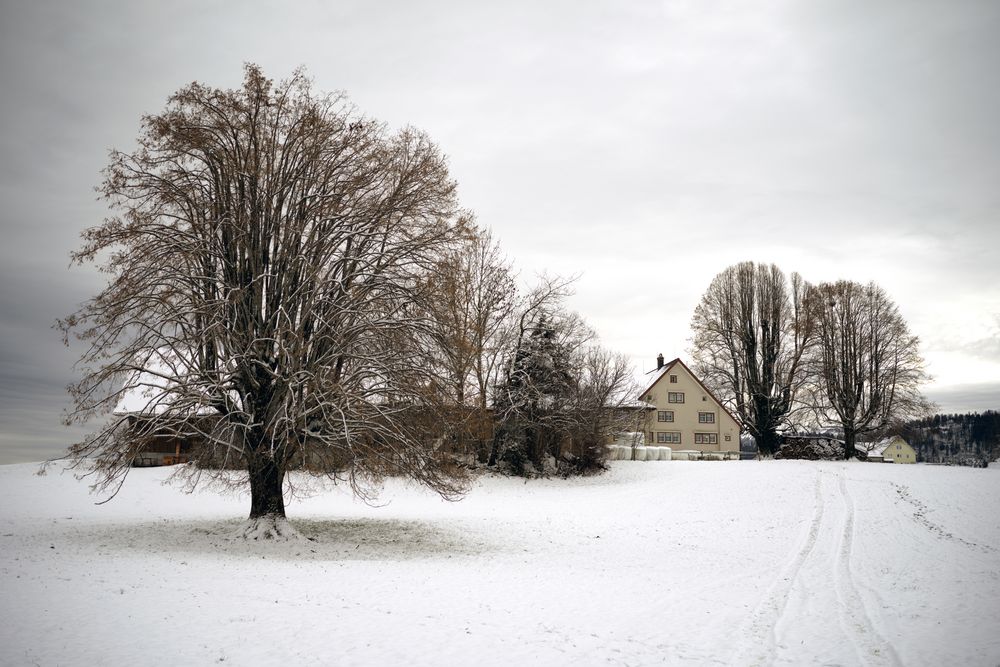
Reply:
x=867, y=368
x=751, y=330
x=266, y=264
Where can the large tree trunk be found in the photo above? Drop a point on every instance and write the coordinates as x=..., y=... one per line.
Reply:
x=266, y=495
x=267, y=503
x=266, y=464
x=768, y=443
x=850, y=437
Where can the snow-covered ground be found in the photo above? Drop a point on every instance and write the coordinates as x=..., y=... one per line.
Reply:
x=779, y=562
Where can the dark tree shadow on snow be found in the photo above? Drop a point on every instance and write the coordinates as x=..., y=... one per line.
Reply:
x=349, y=539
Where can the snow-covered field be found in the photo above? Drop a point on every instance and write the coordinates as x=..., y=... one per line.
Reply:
x=702, y=562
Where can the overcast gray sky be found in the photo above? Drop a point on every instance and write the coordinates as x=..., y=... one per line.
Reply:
x=630, y=142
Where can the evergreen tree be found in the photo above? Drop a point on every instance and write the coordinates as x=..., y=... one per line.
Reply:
x=533, y=398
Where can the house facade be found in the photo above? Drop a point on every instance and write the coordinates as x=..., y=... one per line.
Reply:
x=893, y=450
x=684, y=415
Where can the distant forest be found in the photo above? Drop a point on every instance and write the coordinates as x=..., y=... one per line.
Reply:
x=971, y=439
x=967, y=439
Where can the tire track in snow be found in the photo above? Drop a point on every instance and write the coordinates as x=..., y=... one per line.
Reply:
x=758, y=634
x=817, y=580
x=854, y=618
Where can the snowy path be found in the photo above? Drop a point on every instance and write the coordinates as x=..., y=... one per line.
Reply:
x=697, y=563
x=815, y=585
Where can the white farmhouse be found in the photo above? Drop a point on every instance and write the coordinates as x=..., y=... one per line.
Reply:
x=684, y=415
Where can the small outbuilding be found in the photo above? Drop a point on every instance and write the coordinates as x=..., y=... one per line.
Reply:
x=890, y=450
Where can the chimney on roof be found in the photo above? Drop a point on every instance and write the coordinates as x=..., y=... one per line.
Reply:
x=659, y=361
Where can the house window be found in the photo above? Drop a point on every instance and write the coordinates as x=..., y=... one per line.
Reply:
x=706, y=438
x=704, y=398
x=668, y=437
x=706, y=417
x=664, y=415
x=673, y=379
x=649, y=397
x=675, y=397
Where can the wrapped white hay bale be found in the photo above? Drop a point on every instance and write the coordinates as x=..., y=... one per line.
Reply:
x=679, y=456
x=659, y=453
x=623, y=453
x=640, y=453
x=665, y=453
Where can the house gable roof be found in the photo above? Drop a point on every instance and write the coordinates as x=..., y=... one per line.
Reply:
x=662, y=372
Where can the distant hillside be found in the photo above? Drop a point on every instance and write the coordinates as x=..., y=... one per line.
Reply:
x=968, y=439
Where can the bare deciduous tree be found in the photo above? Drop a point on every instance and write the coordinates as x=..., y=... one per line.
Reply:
x=751, y=331
x=474, y=294
x=266, y=263
x=602, y=405
x=868, y=365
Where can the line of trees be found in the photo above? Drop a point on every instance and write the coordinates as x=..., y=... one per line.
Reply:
x=295, y=286
x=532, y=390
x=784, y=354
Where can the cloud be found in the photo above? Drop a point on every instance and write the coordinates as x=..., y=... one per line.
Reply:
x=967, y=397
x=645, y=145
